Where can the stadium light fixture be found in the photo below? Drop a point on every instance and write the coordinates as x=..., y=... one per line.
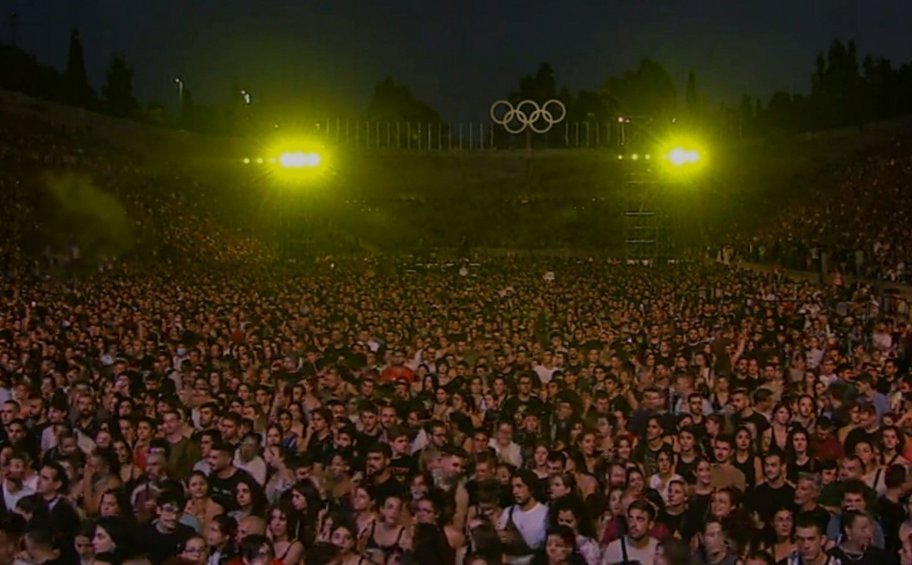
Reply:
x=299, y=160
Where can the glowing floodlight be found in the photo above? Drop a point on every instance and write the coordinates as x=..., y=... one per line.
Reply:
x=246, y=160
x=680, y=156
x=299, y=160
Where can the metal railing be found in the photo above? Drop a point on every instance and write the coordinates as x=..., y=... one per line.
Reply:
x=462, y=136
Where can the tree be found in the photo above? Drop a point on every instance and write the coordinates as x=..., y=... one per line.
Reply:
x=647, y=90
x=118, y=89
x=395, y=102
x=539, y=87
x=80, y=93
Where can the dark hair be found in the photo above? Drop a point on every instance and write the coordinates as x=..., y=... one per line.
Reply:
x=574, y=505
x=528, y=478
x=809, y=520
x=60, y=475
x=250, y=546
x=643, y=506
x=758, y=555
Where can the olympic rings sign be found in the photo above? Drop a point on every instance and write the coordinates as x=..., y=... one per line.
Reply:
x=528, y=114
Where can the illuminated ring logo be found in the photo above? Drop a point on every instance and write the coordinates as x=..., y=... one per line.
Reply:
x=528, y=114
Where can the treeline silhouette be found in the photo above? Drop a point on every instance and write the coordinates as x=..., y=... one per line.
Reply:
x=845, y=91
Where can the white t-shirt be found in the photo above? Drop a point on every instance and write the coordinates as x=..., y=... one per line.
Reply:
x=614, y=553
x=532, y=524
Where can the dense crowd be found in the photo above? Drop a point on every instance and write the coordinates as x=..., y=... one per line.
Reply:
x=169, y=212
x=853, y=219
x=384, y=411
x=173, y=407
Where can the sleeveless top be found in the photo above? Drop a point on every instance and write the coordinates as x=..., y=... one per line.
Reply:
x=387, y=550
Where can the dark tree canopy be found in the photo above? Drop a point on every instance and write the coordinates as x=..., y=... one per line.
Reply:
x=118, y=89
x=647, y=90
x=395, y=102
x=80, y=93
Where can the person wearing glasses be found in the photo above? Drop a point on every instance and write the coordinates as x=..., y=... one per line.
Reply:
x=195, y=551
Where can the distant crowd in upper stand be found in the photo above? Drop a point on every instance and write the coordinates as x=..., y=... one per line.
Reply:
x=857, y=216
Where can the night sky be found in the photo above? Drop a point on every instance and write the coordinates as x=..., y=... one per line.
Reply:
x=458, y=55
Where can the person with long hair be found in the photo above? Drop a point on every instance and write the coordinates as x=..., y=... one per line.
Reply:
x=110, y=541
x=249, y=498
x=220, y=536
x=344, y=538
x=363, y=507
x=798, y=454
x=304, y=500
x=388, y=535
x=664, y=473
x=199, y=504
x=782, y=540
x=281, y=525
x=745, y=458
x=434, y=538
x=129, y=471
x=612, y=519
x=779, y=428
x=569, y=511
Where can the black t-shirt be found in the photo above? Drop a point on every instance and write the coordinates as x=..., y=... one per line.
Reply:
x=518, y=407
x=222, y=490
x=163, y=546
x=871, y=556
x=766, y=500
x=857, y=435
x=389, y=487
x=403, y=467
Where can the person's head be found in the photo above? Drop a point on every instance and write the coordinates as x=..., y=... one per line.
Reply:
x=559, y=544
x=851, y=468
x=640, y=519
x=773, y=467
x=256, y=549
x=250, y=526
x=195, y=551
x=249, y=446
x=110, y=536
x=378, y=456
x=677, y=493
x=248, y=494
x=282, y=521
x=115, y=502
x=561, y=485
x=784, y=523
x=391, y=509
x=809, y=537
x=221, y=456
x=344, y=537
x=713, y=535
x=853, y=496
x=170, y=507
x=523, y=483
x=570, y=512
x=723, y=502
x=722, y=448
x=673, y=551
x=222, y=529
x=52, y=480
x=858, y=528
x=807, y=489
